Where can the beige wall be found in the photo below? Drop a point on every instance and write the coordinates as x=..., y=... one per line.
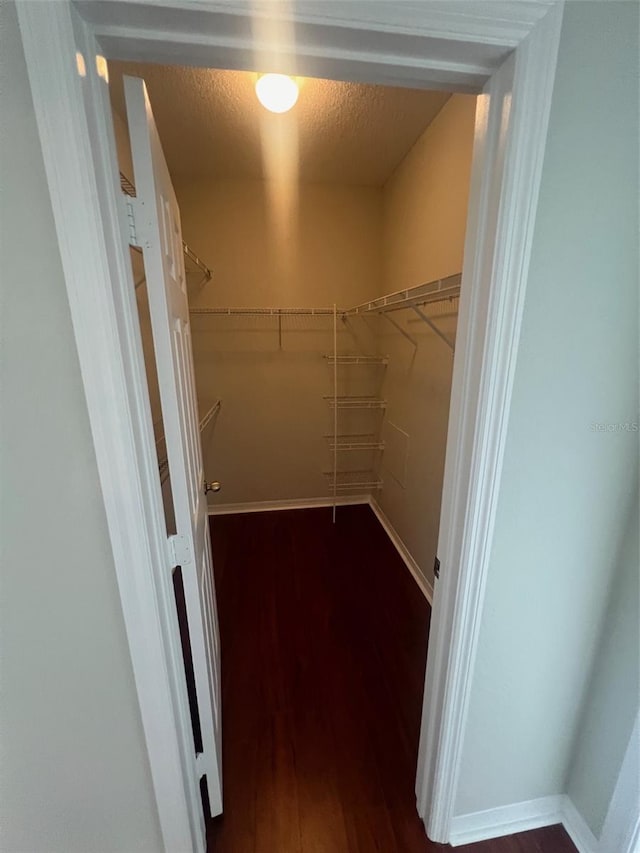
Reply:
x=332, y=251
x=268, y=441
x=73, y=767
x=425, y=208
x=425, y=200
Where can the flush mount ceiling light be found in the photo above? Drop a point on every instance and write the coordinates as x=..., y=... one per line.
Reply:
x=276, y=92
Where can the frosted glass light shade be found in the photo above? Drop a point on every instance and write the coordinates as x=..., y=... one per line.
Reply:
x=276, y=92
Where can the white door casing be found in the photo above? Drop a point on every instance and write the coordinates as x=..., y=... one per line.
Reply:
x=511, y=127
x=490, y=139
x=158, y=233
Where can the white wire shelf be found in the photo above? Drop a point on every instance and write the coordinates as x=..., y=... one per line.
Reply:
x=347, y=480
x=355, y=442
x=357, y=359
x=421, y=294
x=265, y=312
x=355, y=402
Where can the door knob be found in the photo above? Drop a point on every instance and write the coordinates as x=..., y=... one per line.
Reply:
x=213, y=486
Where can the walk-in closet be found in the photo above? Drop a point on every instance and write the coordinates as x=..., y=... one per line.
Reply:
x=323, y=254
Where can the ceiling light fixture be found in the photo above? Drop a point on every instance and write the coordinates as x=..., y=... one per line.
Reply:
x=277, y=92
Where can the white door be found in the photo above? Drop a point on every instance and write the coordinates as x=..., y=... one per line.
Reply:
x=157, y=225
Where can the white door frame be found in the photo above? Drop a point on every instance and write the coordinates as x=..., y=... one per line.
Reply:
x=459, y=46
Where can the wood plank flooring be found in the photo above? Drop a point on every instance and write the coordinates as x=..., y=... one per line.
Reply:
x=323, y=635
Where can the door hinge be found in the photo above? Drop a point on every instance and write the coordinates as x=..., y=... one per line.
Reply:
x=131, y=206
x=179, y=550
x=201, y=766
x=436, y=567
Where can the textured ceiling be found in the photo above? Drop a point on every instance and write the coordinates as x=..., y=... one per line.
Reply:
x=212, y=125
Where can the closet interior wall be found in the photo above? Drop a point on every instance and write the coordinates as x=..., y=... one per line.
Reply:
x=424, y=219
x=269, y=443
x=342, y=245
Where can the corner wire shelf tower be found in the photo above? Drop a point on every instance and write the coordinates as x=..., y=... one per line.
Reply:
x=350, y=480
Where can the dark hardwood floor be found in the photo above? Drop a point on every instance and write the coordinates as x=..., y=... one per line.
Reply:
x=323, y=635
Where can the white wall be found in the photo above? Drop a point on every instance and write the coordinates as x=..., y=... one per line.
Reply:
x=75, y=776
x=567, y=488
x=268, y=440
x=611, y=701
x=425, y=209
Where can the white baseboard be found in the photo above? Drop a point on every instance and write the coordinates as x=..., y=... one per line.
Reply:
x=505, y=820
x=274, y=506
x=401, y=548
x=577, y=828
x=521, y=817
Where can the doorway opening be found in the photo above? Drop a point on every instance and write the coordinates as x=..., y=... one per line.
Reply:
x=513, y=66
x=323, y=344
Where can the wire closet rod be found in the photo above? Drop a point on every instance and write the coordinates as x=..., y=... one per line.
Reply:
x=129, y=189
x=422, y=294
x=265, y=312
